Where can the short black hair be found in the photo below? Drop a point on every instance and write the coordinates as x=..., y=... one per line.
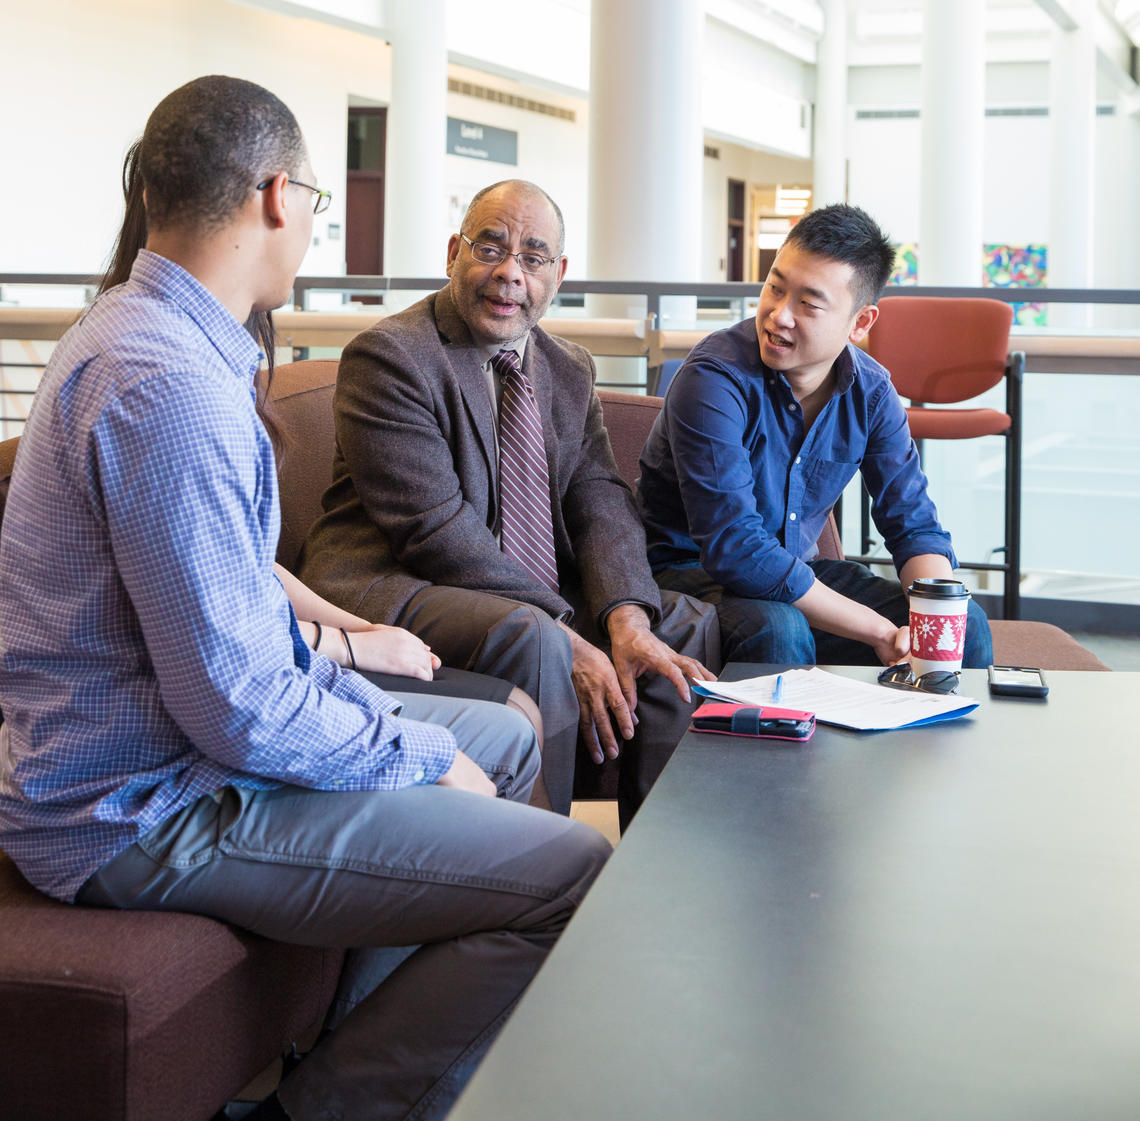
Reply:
x=526, y=185
x=208, y=144
x=850, y=235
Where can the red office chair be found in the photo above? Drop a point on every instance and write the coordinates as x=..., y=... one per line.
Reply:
x=941, y=351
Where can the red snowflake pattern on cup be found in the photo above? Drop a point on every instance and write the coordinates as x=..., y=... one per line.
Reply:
x=937, y=638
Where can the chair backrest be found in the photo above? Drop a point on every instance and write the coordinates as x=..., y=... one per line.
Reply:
x=629, y=417
x=7, y=458
x=300, y=399
x=669, y=370
x=940, y=350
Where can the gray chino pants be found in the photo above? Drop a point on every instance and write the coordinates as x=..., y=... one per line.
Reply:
x=482, y=886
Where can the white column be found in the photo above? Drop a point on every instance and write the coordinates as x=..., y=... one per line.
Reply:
x=1116, y=253
x=953, y=117
x=1072, y=117
x=646, y=143
x=829, y=146
x=415, y=197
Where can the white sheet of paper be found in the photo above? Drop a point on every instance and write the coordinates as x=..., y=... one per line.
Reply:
x=843, y=701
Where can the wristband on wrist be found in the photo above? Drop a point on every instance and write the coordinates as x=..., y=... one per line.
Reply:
x=348, y=646
x=317, y=640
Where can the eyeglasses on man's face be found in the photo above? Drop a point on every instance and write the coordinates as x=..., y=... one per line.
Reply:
x=321, y=199
x=936, y=681
x=487, y=253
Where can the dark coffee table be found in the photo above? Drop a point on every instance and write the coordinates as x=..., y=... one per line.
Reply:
x=941, y=923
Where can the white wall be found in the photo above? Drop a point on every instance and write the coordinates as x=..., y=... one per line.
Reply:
x=79, y=80
x=755, y=168
x=545, y=42
x=551, y=152
x=754, y=94
x=885, y=160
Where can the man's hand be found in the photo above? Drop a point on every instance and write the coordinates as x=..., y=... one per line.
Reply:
x=599, y=695
x=608, y=688
x=383, y=649
x=637, y=650
x=894, y=645
x=465, y=774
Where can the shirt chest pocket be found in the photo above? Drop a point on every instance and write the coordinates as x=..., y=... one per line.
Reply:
x=825, y=479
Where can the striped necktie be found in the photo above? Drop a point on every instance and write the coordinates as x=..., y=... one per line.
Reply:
x=525, y=525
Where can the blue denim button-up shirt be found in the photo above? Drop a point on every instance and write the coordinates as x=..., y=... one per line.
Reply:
x=729, y=481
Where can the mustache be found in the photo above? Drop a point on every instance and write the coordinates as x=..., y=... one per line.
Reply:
x=502, y=295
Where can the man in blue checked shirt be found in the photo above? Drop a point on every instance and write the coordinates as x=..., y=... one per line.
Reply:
x=762, y=428
x=170, y=741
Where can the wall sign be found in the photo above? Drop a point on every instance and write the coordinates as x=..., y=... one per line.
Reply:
x=482, y=142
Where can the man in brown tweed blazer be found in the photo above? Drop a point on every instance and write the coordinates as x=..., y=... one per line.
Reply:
x=411, y=529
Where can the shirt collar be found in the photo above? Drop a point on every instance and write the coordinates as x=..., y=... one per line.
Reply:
x=844, y=367
x=486, y=353
x=844, y=370
x=229, y=338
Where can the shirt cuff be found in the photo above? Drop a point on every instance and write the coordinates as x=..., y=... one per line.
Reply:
x=796, y=582
x=651, y=613
x=924, y=545
x=422, y=754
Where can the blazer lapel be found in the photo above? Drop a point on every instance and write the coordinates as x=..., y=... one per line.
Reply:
x=469, y=376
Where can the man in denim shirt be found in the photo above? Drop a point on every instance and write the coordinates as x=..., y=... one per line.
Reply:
x=763, y=427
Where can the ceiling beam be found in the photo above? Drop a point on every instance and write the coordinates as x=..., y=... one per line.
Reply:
x=1058, y=11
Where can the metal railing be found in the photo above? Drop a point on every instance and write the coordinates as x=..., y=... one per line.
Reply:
x=650, y=337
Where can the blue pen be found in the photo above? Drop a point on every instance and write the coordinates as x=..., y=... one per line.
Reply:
x=778, y=691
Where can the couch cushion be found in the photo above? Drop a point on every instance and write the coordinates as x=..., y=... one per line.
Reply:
x=1018, y=642
x=141, y=1016
x=300, y=399
x=628, y=417
x=7, y=458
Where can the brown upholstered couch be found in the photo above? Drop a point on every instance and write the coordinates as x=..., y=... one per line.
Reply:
x=301, y=396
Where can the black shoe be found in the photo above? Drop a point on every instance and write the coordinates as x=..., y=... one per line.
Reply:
x=268, y=1110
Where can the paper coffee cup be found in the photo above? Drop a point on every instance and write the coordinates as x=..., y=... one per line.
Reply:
x=937, y=624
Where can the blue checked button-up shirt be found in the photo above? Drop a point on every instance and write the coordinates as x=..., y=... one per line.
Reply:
x=730, y=481
x=148, y=655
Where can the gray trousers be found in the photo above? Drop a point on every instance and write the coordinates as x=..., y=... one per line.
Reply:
x=525, y=646
x=481, y=886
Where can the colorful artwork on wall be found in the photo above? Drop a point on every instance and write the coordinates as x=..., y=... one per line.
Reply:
x=906, y=264
x=1017, y=266
x=1003, y=266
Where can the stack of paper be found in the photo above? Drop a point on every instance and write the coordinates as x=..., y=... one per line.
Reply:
x=842, y=701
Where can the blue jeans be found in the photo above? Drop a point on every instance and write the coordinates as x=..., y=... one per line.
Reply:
x=480, y=887
x=762, y=630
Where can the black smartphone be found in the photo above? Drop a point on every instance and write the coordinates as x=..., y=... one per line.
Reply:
x=1017, y=681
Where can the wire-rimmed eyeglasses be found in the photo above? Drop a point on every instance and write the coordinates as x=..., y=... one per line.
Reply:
x=487, y=253
x=935, y=681
x=321, y=199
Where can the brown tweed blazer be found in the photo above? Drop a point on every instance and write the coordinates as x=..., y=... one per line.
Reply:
x=413, y=498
